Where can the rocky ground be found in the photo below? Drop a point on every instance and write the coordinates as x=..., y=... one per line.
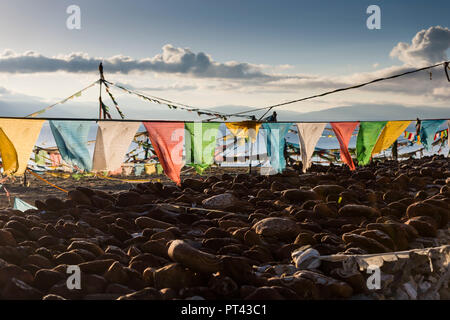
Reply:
x=289, y=236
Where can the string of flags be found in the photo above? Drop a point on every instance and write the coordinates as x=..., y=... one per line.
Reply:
x=18, y=136
x=174, y=105
x=75, y=95
x=169, y=139
x=106, y=109
x=441, y=135
x=113, y=100
x=412, y=137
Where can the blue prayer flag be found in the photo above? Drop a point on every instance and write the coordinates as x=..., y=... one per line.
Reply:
x=22, y=205
x=276, y=143
x=428, y=129
x=71, y=138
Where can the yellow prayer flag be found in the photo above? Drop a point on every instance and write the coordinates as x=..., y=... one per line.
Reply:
x=390, y=133
x=8, y=153
x=244, y=129
x=17, y=139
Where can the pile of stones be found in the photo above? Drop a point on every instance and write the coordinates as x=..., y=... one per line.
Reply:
x=238, y=237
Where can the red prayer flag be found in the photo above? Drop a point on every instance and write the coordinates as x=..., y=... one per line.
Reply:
x=344, y=131
x=167, y=139
x=56, y=159
x=116, y=172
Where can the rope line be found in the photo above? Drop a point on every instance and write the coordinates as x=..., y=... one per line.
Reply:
x=48, y=182
x=128, y=180
x=171, y=121
x=445, y=64
x=172, y=104
x=175, y=105
x=34, y=114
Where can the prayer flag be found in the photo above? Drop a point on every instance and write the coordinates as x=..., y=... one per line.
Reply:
x=112, y=143
x=367, y=137
x=17, y=139
x=275, y=133
x=167, y=140
x=308, y=134
x=72, y=138
x=390, y=133
x=343, y=132
x=201, y=144
x=427, y=130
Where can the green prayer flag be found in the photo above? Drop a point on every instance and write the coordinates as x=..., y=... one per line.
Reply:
x=199, y=168
x=366, y=140
x=40, y=156
x=201, y=145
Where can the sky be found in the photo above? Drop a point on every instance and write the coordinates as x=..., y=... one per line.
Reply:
x=225, y=55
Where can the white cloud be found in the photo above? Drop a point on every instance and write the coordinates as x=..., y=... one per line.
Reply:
x=196, y=79
x=171, y=60
x=3, y=91
x=427, y=46
x=442, y=93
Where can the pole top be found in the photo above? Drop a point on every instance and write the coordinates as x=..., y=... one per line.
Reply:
x=100, y=69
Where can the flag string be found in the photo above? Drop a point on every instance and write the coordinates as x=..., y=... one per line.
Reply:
x=76, y=94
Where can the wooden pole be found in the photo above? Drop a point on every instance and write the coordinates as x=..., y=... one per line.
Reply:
x=250, y=157
x=100, y=70
x=395, y=150
x=100, y=101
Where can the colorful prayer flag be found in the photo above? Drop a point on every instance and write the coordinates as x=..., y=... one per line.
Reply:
x=427, y=130
x=367, y=137
x=201, y=144
x=167, y=140
x=244, y=130
x=72, y=138
x=17, y=140
x=275, y=133
x=112, y=143
x=343, y=132
x=390, y=133
x=308, y=134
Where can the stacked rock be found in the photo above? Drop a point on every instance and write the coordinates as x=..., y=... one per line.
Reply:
x=224, y=237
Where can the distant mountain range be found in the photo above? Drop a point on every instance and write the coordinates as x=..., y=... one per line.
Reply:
x=135, y=110
x=353, y=113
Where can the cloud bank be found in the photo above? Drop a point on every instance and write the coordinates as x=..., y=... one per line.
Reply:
x=171, y=60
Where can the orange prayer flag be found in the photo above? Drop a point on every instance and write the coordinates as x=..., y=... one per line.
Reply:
x=167, y=140
x=344, y=131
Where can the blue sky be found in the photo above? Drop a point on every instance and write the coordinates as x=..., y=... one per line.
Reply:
x=299, y=44
x=302, y=33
